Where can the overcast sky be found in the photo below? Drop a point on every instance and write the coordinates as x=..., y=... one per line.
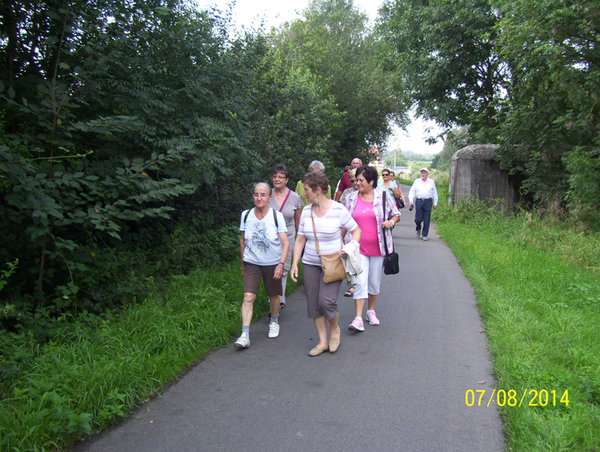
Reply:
x=274, y=12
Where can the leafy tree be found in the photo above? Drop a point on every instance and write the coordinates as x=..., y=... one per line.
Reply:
x=519, y=74
x=111, y=112
x=551, y=133
x=294, y=117
x=334, y=43
x=444, y=54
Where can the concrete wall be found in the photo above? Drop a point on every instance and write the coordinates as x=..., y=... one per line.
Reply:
x=475, y=174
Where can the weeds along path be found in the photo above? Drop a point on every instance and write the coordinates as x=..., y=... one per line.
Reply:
x=400, y=386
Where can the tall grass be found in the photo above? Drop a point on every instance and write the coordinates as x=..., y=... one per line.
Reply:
x=96, y=369
x=538, y=291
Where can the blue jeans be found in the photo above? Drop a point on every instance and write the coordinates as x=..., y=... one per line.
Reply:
x=423, y=215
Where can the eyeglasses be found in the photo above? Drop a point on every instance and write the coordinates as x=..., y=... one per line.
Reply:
x=261, y=195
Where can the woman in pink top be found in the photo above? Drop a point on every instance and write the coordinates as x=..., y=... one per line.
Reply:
x=366, y=207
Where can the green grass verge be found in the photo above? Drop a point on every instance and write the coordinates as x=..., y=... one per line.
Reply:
x=538, y=292
x=96, y=371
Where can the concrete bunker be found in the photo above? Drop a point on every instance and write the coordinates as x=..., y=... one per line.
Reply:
x=475, y=174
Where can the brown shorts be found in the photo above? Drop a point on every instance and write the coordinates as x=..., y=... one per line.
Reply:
x=253, y=274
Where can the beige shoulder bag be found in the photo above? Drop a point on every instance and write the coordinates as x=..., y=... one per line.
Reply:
x=333, y=268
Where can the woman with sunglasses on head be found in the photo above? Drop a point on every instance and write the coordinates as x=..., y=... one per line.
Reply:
x=352, y=176
x=388, y=183
x=366, y=207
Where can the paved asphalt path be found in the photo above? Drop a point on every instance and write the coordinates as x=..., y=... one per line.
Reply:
x=399, y=386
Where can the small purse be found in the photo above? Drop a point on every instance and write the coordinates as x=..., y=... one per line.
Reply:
x=390, y=261
x=390, y=264
x=333, y=268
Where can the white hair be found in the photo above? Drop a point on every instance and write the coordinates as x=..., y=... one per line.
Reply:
x=261, y=184
x=315, y=164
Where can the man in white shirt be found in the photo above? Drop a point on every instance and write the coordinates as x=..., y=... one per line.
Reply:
x=423, y=195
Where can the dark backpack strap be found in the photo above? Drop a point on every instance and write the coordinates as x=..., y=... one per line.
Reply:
x=246, y=216
x=274, y=217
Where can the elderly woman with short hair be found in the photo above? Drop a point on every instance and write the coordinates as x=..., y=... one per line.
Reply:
x=323, y=220
x=264, y=248
x=315, y=165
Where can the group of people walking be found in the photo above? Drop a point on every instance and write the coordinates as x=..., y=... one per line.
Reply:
x=359, y=229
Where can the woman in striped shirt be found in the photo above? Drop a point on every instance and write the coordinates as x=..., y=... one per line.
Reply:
x=331, y=220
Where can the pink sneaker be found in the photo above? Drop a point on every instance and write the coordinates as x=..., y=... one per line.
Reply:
x=357, y=325
x=372, y=318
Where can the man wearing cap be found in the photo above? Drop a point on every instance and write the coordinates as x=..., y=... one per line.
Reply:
x=423, y=195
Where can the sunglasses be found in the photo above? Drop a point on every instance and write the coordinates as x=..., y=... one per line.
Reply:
x=386, y=174
x=352, y=180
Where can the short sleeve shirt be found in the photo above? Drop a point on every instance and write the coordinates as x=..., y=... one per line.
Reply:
x=261, y=237
x=345, y=182
x=393, y=184
x=329, y=232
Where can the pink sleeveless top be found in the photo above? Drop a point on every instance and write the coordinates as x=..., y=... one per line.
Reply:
x=365, y=217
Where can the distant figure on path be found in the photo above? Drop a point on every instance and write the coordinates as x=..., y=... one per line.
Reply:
x=264, y=248
x=366, y=207
x=345, y=180
x=290, y=205
x=324, y=221
x=315, y=165
x=423, y=191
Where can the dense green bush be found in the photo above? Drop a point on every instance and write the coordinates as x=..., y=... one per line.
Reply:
x=129, y=143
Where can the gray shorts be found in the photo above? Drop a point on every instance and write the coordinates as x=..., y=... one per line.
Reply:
x=321, y=298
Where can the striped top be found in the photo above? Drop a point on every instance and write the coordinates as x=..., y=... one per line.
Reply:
x=329, y=232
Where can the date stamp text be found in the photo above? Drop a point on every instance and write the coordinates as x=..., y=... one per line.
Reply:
x=529, y=397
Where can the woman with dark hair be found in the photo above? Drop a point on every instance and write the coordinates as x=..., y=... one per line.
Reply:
x=366, y=207
x=290, y=204
x=323, y=220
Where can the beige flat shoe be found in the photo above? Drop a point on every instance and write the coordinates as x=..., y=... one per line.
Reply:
x=334, y=341
x=318, y=350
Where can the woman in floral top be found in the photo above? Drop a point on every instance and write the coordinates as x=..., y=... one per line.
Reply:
x=366, y=207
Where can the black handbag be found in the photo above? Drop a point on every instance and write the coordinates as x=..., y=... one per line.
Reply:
x=391, y=265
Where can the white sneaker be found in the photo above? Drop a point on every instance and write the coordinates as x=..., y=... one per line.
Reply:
x=273, y=330
x=243, y=341
x=425, y=238
x=418, y=233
